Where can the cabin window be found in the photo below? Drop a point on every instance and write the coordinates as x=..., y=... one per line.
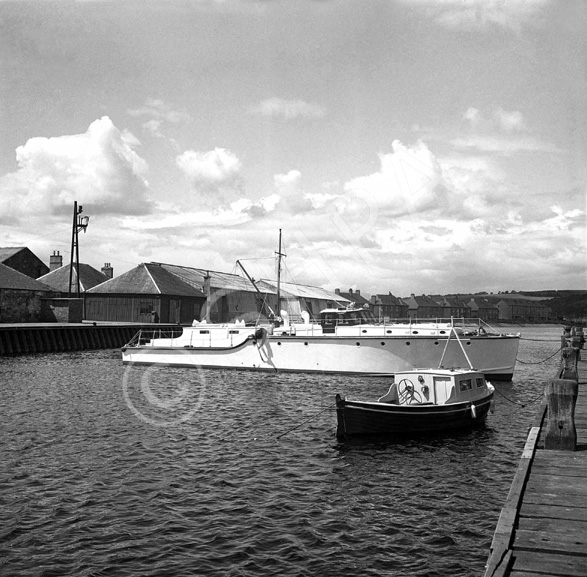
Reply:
x=232, y=332
x=480, y=381
x=204, y=332
x=466, y=385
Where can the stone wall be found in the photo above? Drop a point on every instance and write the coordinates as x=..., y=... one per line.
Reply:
x=20, y=306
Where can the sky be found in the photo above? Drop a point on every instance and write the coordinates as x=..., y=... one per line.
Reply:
x=403, y=146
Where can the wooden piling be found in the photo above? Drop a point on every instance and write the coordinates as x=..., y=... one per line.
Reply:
x=561, y=397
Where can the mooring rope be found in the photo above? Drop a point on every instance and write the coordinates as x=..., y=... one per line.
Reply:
x=540, y=362
x=328, y=408
x=531, y=402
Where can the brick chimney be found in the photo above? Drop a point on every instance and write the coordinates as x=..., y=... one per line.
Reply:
x=107, y=270
x=55, y=261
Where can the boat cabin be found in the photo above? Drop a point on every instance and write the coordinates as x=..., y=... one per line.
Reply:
x=437, y=387
x=331, y=318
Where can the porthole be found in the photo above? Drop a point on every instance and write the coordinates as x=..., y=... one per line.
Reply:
x=442, y=332
x=408, y=343
x=382, y=343
x=388, y=332
x=364, y=331
x=358, y=344
x=306, y=344
x=278, y=343
x=468, y=343
x=436, y=342
x=414, y=332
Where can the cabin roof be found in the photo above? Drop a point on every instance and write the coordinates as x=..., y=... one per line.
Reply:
x=452, y=372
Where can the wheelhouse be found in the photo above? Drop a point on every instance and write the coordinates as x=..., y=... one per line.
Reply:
x=331, y=318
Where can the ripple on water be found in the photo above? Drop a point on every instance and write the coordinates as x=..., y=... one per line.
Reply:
x=110, y=470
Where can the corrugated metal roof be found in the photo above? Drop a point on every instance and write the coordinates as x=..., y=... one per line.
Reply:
x=218, y=280
x=58, y=279
x=14, y=280
x=303, y=291
x=147, y=278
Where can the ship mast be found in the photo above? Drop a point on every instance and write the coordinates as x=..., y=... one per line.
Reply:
x=279, y=255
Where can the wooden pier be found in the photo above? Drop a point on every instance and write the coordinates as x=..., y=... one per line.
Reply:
x=22, y=339
x=542, y=529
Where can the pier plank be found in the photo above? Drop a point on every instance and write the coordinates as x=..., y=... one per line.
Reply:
x=527, y=563
x=543, y=530
x=553, y=511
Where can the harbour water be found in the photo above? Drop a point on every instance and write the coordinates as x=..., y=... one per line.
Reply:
x=113, y=470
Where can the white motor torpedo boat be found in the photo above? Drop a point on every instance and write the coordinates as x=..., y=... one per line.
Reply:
x=344, y=341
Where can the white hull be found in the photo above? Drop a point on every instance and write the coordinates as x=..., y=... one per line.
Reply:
x=365, y=355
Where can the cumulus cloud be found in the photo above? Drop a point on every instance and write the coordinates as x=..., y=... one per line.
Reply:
x=408, y=181
x=158, y=112
x=294, y=199
x=288, y=109
x=214, y=175
x=98, y=168
x=479, y=14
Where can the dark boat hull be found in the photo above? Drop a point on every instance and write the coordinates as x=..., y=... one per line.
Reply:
x=373, y=418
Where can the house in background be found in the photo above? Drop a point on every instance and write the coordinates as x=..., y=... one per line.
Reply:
x=387, y=307
x=354, y=296
x=523, y=309
x=21, y=297
x=24, y=261
x=423, y=307
x=145, y=294
x=454, y=306
x=483, y=308
x=58, y=277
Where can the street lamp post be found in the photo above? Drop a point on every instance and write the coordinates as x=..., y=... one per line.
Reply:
x=79, y=223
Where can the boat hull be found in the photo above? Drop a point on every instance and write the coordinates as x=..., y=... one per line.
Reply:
x=381, y=355
x=355, y=418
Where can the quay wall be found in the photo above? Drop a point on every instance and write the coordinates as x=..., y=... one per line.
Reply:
x=26, y=339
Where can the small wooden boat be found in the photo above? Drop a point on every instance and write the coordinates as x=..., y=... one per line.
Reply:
x=420, y=401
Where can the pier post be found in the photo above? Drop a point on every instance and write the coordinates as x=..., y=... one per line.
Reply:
x=561, y=398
